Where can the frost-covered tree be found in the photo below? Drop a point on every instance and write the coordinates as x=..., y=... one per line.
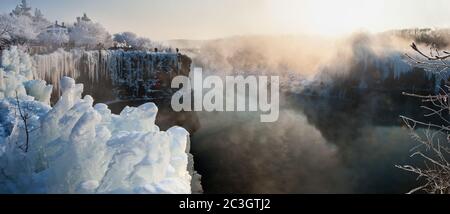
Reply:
x=436, y=37
x=5, y=26
x=432, y=136
x=89, y=34
x=127, y=38
x=38, y=15
x=136, y=42
x=23, y=9
x=5, y=29
x=23, y=29
x=50, y=38
x=22, y=26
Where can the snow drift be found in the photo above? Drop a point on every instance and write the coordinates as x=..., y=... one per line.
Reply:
x=76, y=147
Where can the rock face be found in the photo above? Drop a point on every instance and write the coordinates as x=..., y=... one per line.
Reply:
x=122, y=74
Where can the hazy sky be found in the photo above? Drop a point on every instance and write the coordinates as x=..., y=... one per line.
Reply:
x=203, y=19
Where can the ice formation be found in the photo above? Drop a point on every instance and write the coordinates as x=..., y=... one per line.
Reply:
x=124, y=68
x=16, y=76
x=76, y=147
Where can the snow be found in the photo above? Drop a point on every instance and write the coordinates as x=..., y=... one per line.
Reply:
x=53, y=38
x=127, y=39
x=16, y=76
x=39, y=90
x=76, y=147
x=18, y=62
x=88, y=33
x=21, y=24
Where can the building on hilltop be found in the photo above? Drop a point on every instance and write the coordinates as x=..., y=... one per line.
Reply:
x=84, y=18
x=57, y=28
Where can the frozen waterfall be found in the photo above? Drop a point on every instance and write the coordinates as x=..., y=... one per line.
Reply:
x=139, y=72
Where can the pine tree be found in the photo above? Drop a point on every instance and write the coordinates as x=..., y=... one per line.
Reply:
x=38, y=15
x=22, y=9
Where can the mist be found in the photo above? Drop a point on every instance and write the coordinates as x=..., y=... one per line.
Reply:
x=318, y=145
x=309, y=59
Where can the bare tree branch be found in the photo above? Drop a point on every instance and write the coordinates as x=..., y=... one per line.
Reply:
x=24, y=117
x=432, y=148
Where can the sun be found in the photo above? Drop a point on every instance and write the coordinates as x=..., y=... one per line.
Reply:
x=326, y=17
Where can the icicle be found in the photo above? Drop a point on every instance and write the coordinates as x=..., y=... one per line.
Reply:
x=123, y=68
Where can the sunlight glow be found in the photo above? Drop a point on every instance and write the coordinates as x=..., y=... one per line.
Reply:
x=326, y=17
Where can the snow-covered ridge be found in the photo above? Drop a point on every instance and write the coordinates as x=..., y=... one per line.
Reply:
x=76, y=147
